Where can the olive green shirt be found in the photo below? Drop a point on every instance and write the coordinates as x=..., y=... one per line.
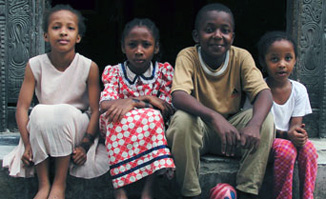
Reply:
x=223, y=89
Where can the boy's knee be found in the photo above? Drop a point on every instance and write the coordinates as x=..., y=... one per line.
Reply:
x=269, y=121
x=182, y=129
x=182, y=118
x=268, y=129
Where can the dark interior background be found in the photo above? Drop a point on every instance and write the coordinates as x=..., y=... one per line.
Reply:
x=175, y=19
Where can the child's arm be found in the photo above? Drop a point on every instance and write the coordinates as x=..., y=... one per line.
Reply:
x=166, y=108
x=79, y=154
x=112, y=107
x=163, y=99
x=297, y=134
x=23, y=104
x=250, y=136
x=116, y=109
x=228, y=134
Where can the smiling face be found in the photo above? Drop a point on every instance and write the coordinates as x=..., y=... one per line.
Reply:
x=62, y=32
x=280, y=60
x=215, y=36
x=139, y=46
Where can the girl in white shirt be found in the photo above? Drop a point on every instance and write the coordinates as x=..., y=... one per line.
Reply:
x=277, y=55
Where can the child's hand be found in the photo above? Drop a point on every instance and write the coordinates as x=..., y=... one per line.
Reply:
x=165, y=108
x=118, y=109
x=298, y=136
x=27, y=157
x=79, y=156
x=228, y=134
x=250, y=137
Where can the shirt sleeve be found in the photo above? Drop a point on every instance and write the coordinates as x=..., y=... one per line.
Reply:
x=110, y=79
x=251, y=77
x=165, y=89
x=183, y=73
x=302, y=103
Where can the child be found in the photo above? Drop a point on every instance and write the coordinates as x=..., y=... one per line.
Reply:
x=135, y=104
x=64, y=124
x=277, y=55
x=210, y=81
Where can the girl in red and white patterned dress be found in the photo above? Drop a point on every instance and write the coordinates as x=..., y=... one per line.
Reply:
x=135, y=105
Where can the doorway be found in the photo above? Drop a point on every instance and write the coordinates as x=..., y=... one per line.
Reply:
x=175, y=19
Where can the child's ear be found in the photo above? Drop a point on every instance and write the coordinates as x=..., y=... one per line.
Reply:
x=123, y=48
x=157, y=48
x=263, y=66
x=78, y=38
x=45, y=36
x=233, y=36
x=195, y=36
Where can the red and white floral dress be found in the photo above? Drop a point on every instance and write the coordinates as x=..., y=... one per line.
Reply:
x=137, y=144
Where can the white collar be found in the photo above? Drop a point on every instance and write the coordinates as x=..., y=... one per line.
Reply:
x=208, y=70
x=131, y=77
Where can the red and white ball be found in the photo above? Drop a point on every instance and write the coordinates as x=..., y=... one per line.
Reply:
x=223, y=191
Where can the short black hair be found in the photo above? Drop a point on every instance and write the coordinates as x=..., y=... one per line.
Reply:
x=268, y=39
x=143, y=22
x=59, y=7
x=211, y=7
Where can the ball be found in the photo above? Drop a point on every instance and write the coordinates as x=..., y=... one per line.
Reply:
x=223, y=191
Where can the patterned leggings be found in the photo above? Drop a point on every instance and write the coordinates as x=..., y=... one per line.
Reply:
x=285, y=154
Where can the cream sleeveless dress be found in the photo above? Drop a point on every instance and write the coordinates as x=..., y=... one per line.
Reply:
x=58, y=123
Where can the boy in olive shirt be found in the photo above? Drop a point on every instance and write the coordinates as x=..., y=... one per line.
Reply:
x=210, y=81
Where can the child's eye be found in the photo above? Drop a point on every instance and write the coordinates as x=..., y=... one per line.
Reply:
x=288, y=58
x=71, y=28
x=55, y=27
x=131, y=45
x=274, y=59
x=146, y=44
x=225, y=30
x=209, y=30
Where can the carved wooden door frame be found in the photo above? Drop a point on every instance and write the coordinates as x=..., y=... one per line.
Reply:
x=20, y=38
x=306, y=22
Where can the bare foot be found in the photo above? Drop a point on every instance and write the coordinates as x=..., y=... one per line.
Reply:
x=148, y=188
x=57, y=192
x=43, y=192
x=147, y=194
x=120, y=194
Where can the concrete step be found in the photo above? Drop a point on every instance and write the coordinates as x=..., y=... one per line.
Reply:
x=213, y=170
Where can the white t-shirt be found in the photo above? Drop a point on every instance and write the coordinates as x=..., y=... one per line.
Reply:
x=298, y=105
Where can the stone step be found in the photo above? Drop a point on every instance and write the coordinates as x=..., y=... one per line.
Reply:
x=213, y=170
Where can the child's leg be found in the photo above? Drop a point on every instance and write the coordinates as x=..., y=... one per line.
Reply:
x=148, y=188
x=42, y=170
x=285, y=156
x=253, y=163
x=120, y=194
x=186, y=148
x=59, y=182
x=307, y=160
